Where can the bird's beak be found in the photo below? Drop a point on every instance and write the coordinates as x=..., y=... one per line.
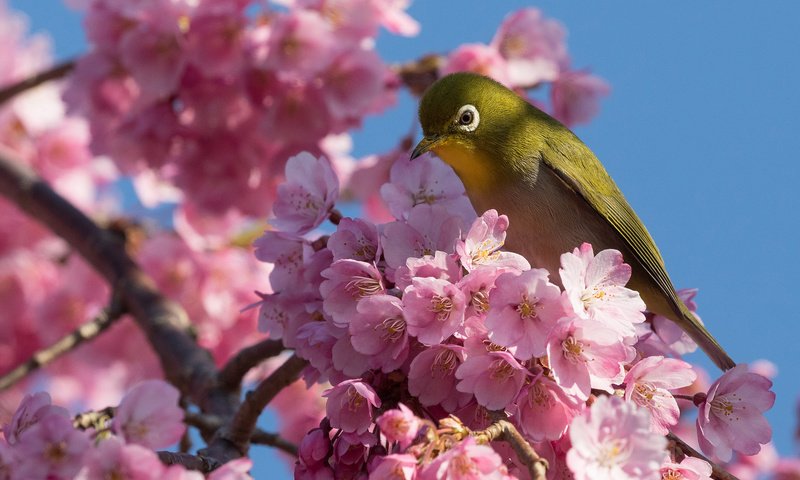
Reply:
x=426, y=144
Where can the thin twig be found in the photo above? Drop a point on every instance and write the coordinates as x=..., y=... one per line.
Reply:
x=85, y=332
x=209, y=424
x=237, y=432
x=53, y=73
x=717, y=472
x=502, y=429
x=191, y=462
x=231, y=375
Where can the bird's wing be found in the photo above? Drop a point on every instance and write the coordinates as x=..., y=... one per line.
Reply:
x=583, y=173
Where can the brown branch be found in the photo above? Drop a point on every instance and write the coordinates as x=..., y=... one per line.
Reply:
x=53, y=73
x=85, y=332
x=209, y=424
x=191, y=462
x=187, y=366
x=717, y=472
x=236, y=434
x=504, y=430
x=230, y=377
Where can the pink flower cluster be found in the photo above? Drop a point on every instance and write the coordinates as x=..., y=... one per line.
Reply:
x=215, y=95
x=428, y=310
x=527, y=51
x=41, y=440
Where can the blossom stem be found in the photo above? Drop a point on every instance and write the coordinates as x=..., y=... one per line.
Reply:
x=502, y=429
x=231, y=375
x=53, y=73
x=87, y=331
x=717, y=472
x=683, y=397
x=335, y=216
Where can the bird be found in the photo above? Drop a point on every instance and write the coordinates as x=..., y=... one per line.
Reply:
x=514, y=158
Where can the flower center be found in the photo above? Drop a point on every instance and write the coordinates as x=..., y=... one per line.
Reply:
x=724, y=407
x=480, y=301
x=573, y=350
x=55, y=452
x=360, y=287
x=423, y=196
x=462, y=465
x=354, y=399
x=444, y=362
x=643, y=394
x=501, y=370
x=441, y=306
x=671, y=475
x=527, y=309
x=609, y=451
x=393, y=329
x=538, y=395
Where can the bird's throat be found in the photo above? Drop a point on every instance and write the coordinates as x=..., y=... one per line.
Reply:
x=471, y=165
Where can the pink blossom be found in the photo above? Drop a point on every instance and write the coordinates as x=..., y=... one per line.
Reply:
x=350, y=405
x=732, y=415
x=314, y=448
x=233, y=470
x=149, y=415
x=307, y=196
x=674, y=339
x=356, y=239
x=354, y=82
x=347, y=283
x=523, y=308
x=210, y=105
x=51, y=448
x=351, y=449
x=379, y=331
x=439, y=265
x=495, y=378
x=482, y=245
x=586, y=355
x=533, y=47
x=314, y=342
x=31, y=410
x=648, y=384
x=478, y=58
x=399, y=425
x=426, y=180
x=300, y=44
x=432, y=377
x=154, y=58
x=346, y=359
x=288, y=253
x=690, y=468
x=395, y=19
x=112, y=458
x=612, y=440
x=214, y=42
x=576, y=96
x=466, y=460
x=595, y=286
x=434, y=309
x=283, y=314
x=397, y=466
x=545, y=410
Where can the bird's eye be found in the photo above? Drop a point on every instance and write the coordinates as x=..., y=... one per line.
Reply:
x=468, y=118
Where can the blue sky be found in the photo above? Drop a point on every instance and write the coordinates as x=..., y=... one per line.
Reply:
x=701, y=132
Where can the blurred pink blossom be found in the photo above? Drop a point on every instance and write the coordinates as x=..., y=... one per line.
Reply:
x=149, y=415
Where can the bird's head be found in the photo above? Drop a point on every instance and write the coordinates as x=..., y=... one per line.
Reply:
x=476, y=125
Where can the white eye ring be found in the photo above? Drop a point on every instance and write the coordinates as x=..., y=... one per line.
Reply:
x=468, y=118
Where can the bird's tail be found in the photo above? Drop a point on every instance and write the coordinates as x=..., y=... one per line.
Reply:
x=705, y=340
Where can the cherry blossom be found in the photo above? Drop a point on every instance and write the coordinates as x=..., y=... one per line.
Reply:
x=307, y=196
x=690, y=468
x=434, y=309
x=648, y=383
x=432, y=377
x=612, y=440
x=731, y=416
x=149, y=415
x=466, y=460
x=350, y=405
x=495, y=378
x=399, y=425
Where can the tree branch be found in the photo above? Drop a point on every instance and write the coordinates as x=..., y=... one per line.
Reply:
x=237, y=432
x=187, y=366
x=717, y=472
x=210, y=424
x=231, y=375
x=191, y=462
x=85, y=332
x=504, y=430
x=53, y=73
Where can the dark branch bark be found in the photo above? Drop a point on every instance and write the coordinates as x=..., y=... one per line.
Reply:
x=231, y=375
x=85, y=332
x=236, y=434
x=504, y=430
x=53, y=73
x=191, y=462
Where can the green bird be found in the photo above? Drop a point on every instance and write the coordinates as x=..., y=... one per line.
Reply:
x=515, y=158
